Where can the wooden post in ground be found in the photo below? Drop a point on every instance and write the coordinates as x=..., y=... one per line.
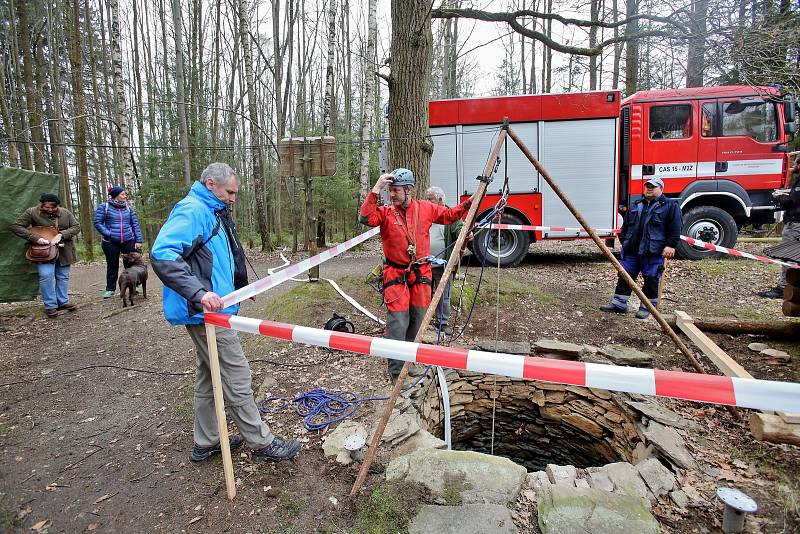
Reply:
x=607, y=252
x=452, y=262
x=219, y=408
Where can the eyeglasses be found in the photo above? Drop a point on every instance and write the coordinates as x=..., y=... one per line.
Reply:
x=650, y=186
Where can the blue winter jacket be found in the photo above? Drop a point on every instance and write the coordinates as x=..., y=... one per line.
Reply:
x=116, y=224
x=662, y=227
x=192, y=256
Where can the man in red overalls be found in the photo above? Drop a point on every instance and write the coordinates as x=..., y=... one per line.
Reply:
x=405, y=236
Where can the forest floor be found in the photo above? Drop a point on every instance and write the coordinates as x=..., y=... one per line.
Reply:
x=96, y=406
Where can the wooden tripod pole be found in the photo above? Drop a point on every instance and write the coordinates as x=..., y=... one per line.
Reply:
x=452, y=262
x=662, y=282
x=219, y=408
x=607, y=252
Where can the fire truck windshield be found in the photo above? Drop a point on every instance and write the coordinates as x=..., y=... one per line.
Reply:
x=756, y=119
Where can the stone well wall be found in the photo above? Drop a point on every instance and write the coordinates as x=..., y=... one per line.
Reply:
x=535, y=423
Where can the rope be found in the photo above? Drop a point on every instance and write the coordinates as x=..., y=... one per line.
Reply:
x=320, y=408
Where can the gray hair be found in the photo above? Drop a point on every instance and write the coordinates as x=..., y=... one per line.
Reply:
x=438, y=191
x=219, y=172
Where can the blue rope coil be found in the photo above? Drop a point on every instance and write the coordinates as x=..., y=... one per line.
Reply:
x=320, y=408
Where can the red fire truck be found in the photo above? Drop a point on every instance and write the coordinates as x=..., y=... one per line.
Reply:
x=721, y=151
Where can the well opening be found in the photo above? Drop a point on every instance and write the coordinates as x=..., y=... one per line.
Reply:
x=535, y=423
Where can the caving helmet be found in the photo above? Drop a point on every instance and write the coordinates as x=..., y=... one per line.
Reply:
x=403, y=177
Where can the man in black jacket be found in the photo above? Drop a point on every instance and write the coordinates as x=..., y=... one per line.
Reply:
x=650, y=233
x=790, y=204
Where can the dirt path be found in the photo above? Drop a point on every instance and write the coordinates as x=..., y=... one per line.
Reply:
x=86, y=447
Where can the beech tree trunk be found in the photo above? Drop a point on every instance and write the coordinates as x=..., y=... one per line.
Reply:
x=123, y=124
x=631, y=49
x=696, y=53
x=181, y=92
x=328, y=106
x=84, y=196
x=412, y=42
x=32, y=98
x=369, y=66
x=255, y=134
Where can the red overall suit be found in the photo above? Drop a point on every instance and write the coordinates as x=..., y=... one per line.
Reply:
x=407, y=291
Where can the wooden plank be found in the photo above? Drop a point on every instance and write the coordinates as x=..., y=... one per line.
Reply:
x=724, y=363
x=791, y=418
x=766, y=427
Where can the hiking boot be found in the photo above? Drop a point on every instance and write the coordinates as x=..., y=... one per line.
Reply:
x=774, y=293
x=52, y=312
x=204, y=453
x=279, y=449
x=68, y=307
x=642, y=314
x=610, y=308
x=108, y=294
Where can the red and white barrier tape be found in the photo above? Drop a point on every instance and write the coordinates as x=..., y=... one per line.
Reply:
x=280, y=277
x=744, y=393
x=690, y=240
x=353, y=302
x=500, y=226
x=738, y=253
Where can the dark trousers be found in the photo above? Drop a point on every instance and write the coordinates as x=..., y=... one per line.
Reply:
x=112, y=252
x=403, y=326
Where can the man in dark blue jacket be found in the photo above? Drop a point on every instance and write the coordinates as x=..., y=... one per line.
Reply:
x=650, y=233
x=198, y=257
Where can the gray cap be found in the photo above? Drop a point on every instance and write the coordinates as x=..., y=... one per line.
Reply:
x=656, y=181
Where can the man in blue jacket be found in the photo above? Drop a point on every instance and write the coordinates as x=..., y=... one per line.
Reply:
x=198, y=257
x=650, y=233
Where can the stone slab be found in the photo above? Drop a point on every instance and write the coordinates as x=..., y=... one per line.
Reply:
x=598, y=479
x=562, y=475
x=658, y=478
x=626, y=479
x=559, y=347
x=669, y=444
x=333, y=443
x=507, y=347
x=777, y=354
x=465, y=519
x=565, y=510
x=622, y=355
x=659, y=413
x=420, y=440
x=485, y=479
x=758, y=347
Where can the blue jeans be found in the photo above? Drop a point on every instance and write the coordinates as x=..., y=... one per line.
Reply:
x=53, y=284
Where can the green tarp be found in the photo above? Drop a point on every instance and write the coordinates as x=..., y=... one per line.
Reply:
x=19, y=190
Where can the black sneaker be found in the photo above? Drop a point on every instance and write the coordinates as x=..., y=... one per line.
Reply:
x=642, y=314
x=204, y=453
x=279, y=449
x=610, y=308
x=774, y=293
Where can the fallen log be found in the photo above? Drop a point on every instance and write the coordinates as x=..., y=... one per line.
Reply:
x=767, y=427
x=736, y=327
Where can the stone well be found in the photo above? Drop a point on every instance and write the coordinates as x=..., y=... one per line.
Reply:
x=535, y=423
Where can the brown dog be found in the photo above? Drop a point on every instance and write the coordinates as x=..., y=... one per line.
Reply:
x=135, y=273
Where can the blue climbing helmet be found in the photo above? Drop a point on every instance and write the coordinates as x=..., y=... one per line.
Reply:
x=403, y=177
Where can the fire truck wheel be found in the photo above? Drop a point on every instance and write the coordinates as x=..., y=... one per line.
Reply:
x=710, y=224
x=512, y=248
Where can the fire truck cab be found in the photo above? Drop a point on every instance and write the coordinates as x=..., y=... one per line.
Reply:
x=721, y=151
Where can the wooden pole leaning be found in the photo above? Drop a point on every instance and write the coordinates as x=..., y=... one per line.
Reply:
x=219, y=408
x=607, y=252
x=452, y=262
